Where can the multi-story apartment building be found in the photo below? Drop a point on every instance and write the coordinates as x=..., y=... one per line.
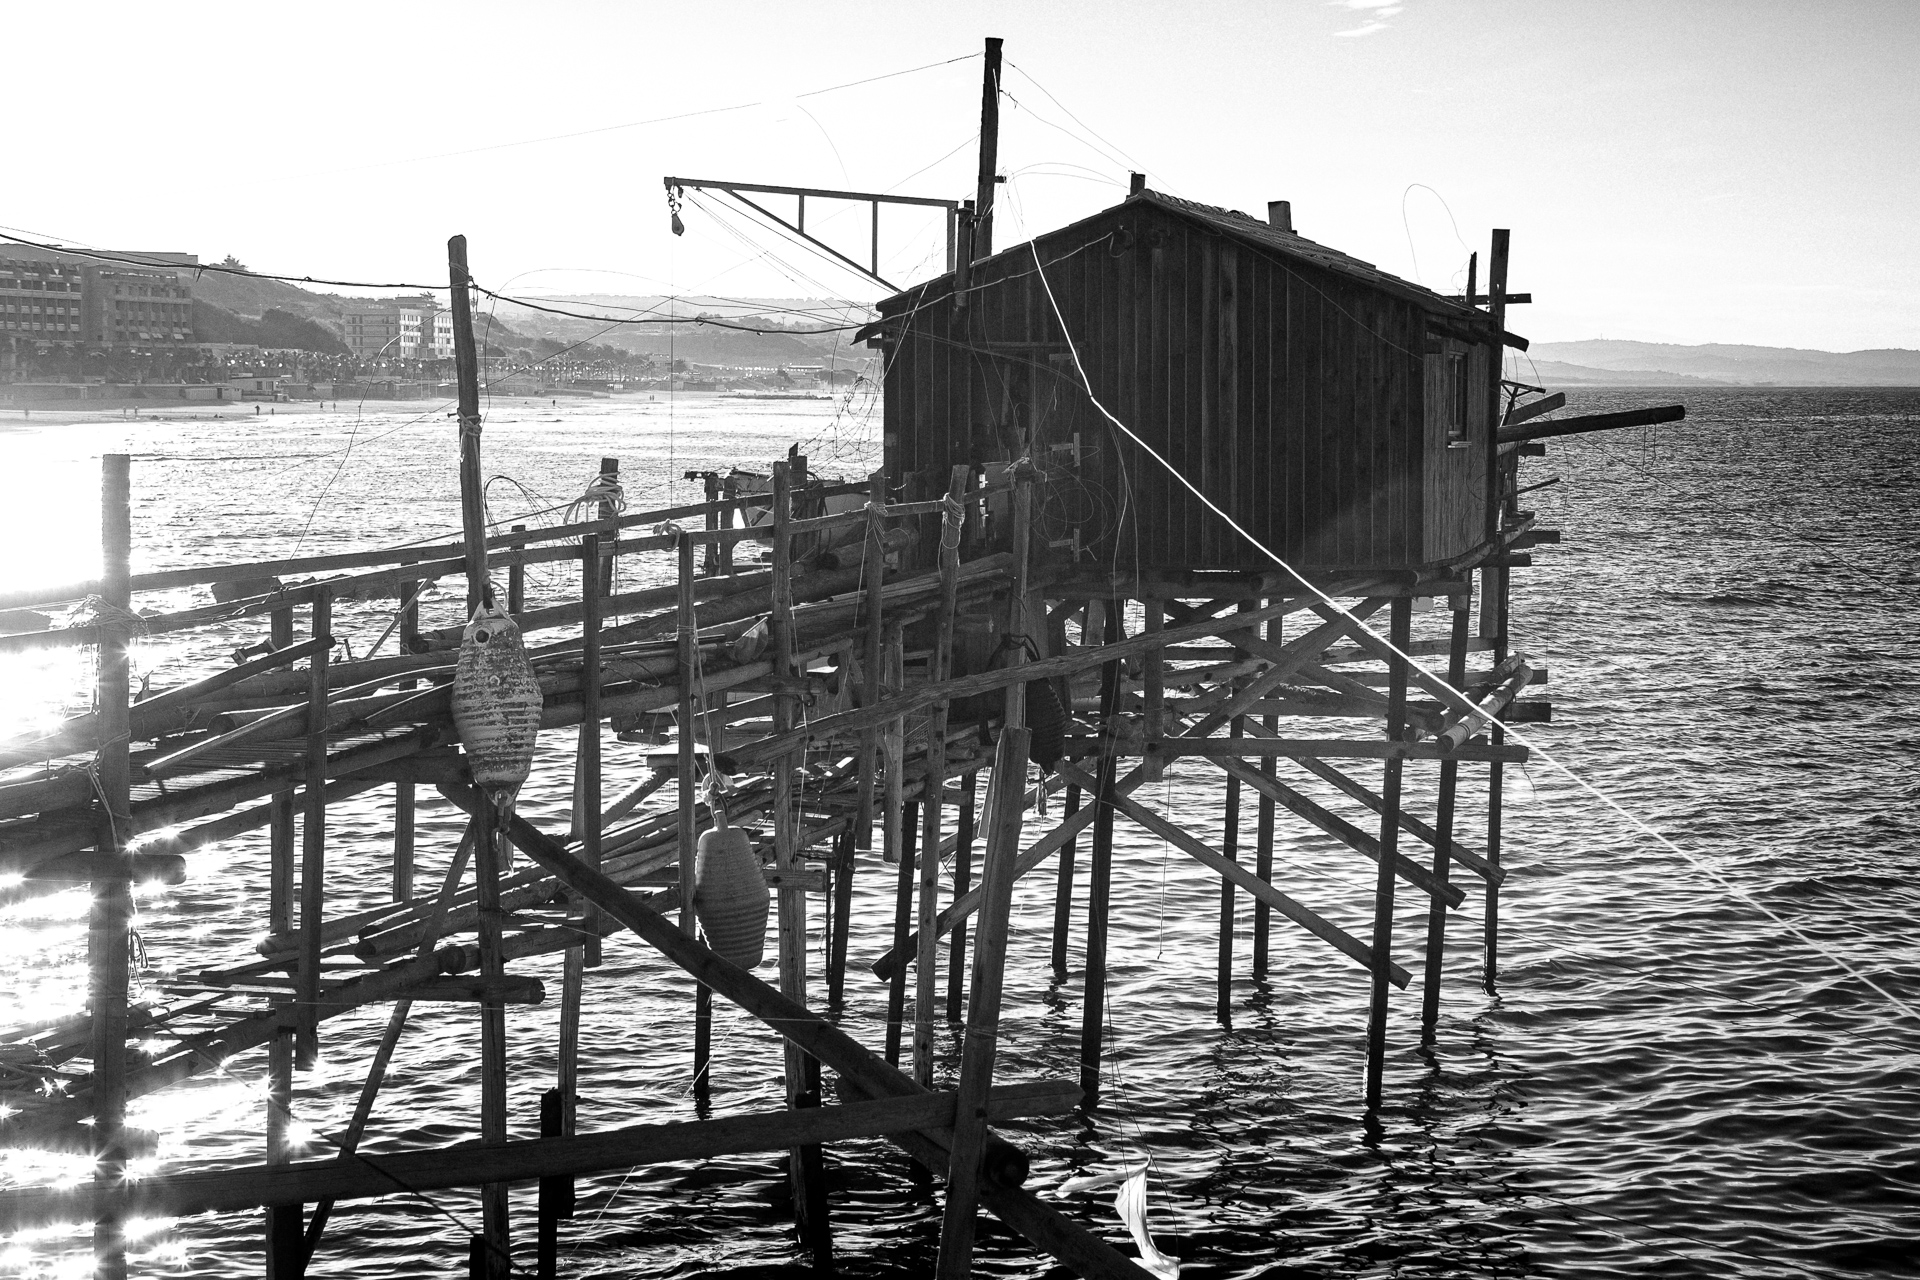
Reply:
x=50, y=298
x=42, y=297
x=414, y=328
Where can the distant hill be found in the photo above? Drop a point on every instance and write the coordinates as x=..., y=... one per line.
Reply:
x=275, y=329
x=1612, y=361
x=788, y=319
x=1558, y=373
x=253, y=297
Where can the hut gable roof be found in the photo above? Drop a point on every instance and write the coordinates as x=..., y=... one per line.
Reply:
x=1249, y=230
x=1264, y=235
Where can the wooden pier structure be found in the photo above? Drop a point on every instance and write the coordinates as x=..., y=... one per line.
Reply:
x=1021, y=602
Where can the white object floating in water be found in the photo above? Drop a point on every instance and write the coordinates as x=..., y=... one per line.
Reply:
x=496, y=705
x=730, y=894
x=1130, y=1202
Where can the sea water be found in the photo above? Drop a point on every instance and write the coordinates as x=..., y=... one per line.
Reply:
x=1701, y=1056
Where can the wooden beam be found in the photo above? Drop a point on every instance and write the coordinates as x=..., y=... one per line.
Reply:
x=476, y=1163
x=1305, y=917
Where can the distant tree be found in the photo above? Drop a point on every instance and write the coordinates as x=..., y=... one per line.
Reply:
x=232, y=263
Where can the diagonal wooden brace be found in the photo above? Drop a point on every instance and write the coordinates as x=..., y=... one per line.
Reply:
x=1308, y=919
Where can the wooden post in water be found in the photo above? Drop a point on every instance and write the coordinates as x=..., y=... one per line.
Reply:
x=286, y=1257
x=1400, y=629
x=1063, y=890
x=962, y=877
x=609, y=471
x=110, y=918
x=1443, y=837
x=803, y=1072
x=902, y=930
x=493, y=1040
x=1093, y=1003
x=1006, y=803
x=517, y=576
x=715, y=521
x=313, y=839
x=556, y=1194
x=685, y=767
x=926, y=973
x=873, y=562
x=1263, y=849
x=404, y=807
x=1155, y=690
x=1493, y=592
x=1229, y=849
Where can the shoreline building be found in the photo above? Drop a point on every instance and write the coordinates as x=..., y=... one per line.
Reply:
x=407, y=328
x=52, y=298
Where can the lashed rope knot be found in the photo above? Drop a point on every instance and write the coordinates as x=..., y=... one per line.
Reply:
x=605, y=490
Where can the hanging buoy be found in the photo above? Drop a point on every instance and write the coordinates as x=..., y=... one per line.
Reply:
x=496, y=705
x=730, y=895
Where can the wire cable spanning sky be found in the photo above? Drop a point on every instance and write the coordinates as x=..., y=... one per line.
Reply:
x=1686, y=172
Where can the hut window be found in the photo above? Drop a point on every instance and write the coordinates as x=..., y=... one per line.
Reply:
x=1456, y=396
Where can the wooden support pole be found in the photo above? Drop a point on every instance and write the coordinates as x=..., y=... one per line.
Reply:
x=1443, y=833
x=1493, y=592
x=313, y=841
x=493, y=1042
x=404, y=806
x=962, y=876
x=1006, y=802
x=588, y=819
x=1400, y=626
x=987, y=186
x=286, y=1258
x=902, y=930
x=517, y=577
x=1093, y=1005
x=802, y=1071
x=714, y=519
x=1155, y=686
x=1063, y=891
x=1230, y=850
x=1263, y=847
x=466, y=359
x=926, y=975
x=873, y=567
x=609, y=473
x=556, y=1192
x=685, y=768
x=110, y=918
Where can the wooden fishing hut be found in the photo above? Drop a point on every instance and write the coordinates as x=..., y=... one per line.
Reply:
x=1022, y=584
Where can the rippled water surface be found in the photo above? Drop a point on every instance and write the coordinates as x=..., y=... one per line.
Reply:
x=1696, y=1063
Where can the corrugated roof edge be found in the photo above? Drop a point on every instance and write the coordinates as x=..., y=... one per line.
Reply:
x=1241, y=226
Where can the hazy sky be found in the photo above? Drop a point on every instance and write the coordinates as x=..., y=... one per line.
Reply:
x=1672, y=171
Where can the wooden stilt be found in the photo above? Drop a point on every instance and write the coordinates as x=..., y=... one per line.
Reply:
x=587, y=820
x=110, y=920
x=926, y=973
x=902, y=930
x=1400, y=626
x=493, y=1043
x=803, y=1073
x=962, y=877
x=1154, y=688
x=1443, y=831
x=1230, y=850
x=1063, y=891
x=313, y=841
x=556, y=1193
x=688, y=798
x=517, y=577
x=1093, y=1005
x=286, y=1258
x=1263, y=849
x=873, y=565
x=1006, y=804
x=403, y=793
